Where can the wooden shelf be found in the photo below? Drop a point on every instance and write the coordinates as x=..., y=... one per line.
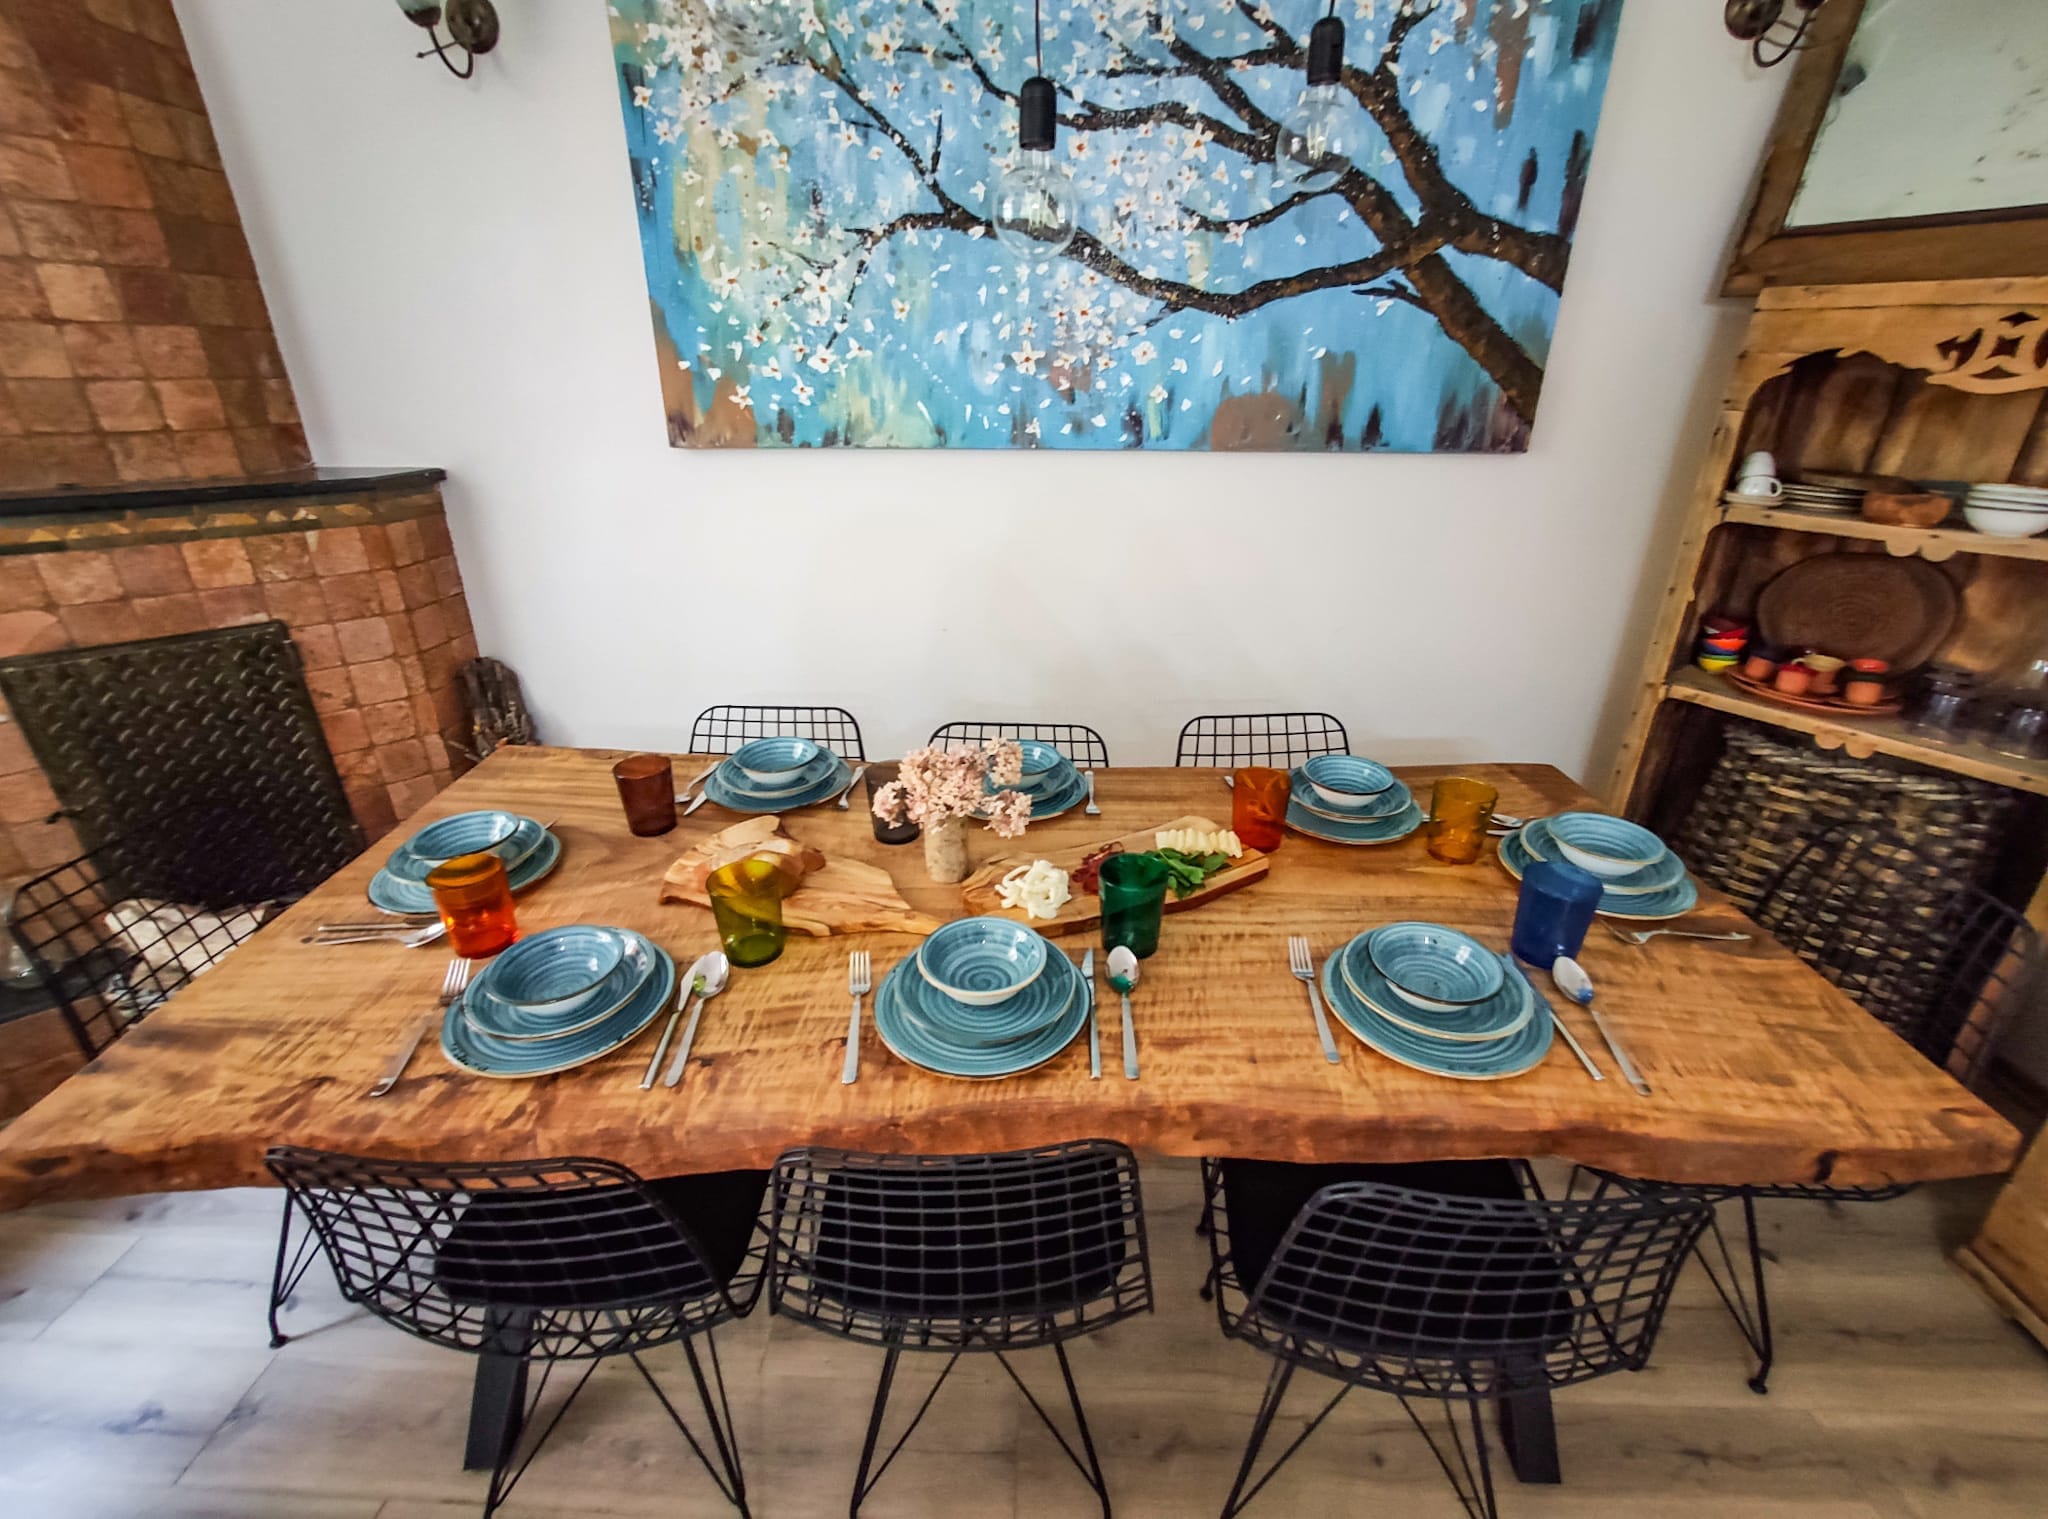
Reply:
x=1862, y=736
x=1931, y=543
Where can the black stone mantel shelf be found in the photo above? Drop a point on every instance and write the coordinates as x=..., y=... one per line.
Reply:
x=99, y=500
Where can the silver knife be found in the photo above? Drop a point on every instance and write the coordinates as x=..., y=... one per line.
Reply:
x=683, y=991
x=695, y=802
x=702, y=776
x=845, y=797
x=403, y=1058
x=1556, y=1022
x=1629, y=1073
x=1094, y=1035
x=1130, y=1040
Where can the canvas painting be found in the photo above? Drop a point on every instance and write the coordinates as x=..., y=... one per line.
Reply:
x=1213, y=253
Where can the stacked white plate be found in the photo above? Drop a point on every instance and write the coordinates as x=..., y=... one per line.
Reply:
x=2006, y=511
x=1834, y=500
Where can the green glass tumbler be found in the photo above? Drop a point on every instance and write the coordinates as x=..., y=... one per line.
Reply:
x=746, y=903
x=1133, y=902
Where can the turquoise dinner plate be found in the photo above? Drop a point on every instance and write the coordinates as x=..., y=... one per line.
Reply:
x=1498, y=1017
x=1375, y=831
x=492, y=1016
x=1672, y=902
x=908, y=1040
x=1058, y=795
x=1661, y=876
x=1487, y=1060
x=390, y=894
x=408, y=864
x=1385, y=804
x=512, y=1059
x=957, y=1026
x=728, y=788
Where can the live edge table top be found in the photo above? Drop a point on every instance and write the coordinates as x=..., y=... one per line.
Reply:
x=1762, y=1071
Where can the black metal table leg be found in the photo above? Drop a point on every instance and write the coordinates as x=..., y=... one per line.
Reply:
x=497, y=1399
x=1529, y=1435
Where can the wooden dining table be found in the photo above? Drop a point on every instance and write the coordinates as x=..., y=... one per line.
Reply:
x=1760, y=1071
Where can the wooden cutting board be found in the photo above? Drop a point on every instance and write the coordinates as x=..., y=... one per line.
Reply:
x=840, y=897
x=1084, y=908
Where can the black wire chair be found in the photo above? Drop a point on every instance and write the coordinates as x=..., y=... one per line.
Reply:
x=1938, y=962
x=962, y=1254
x=720, y=730
x=1435, y=1282
x=1077, y=741
x=1260, y=738
x=546, y=1261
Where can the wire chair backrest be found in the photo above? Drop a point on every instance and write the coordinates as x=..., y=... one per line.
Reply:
x=559, y=1259
x=1260, y=738
x=1440, y=1296
x=1940, y=962
x=960, y=1251
x=1077, y=741
x=720, y=730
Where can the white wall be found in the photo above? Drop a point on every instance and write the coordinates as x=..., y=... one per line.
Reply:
x=455, y=277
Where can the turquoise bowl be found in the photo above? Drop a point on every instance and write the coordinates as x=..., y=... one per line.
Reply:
x=1040, y=759
x=1610, y=847
x=557, y=970
x=982, y=961
x=1435, y=968
x=1344, y=780
x=465, y=833
x=775, y=761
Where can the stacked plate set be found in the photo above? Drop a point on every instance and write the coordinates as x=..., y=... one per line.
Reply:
x=981, y=998
x=528, y=849
x=1346, y=800
x=1639, y=876
x=1831, y=500
x=1050, y=779
x=1439, y=1001
x=777, y=775
x=562, y=998
x=2006, y=511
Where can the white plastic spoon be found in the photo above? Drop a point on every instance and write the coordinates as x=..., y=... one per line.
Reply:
x=1123, y=976
x=1572, y=980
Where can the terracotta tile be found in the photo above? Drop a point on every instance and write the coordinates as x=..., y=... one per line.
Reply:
x=379, y=682
x=388, y=722
x=89, y=111
x=404, y=642
x=129, y=237
x=123, y=405
x=233, y=605
x=78, y=459
x=215, y=562
x=163, y=615
x=156, y=21
x=195, y=137
x=240, y=400
x=376, y=546
x=455, y=611
x=48, y=845
x=209, y=299
x=10, y=240
x=439, y=761
x=295, y=601
x=332, y=690
x=33, y=351
x=79, y=293
x=212, y=195
x=26, y=109
x=146, y=456
x=403, y=761
x=152, y=295
x=107, y=176
x=102, y=622
x=22, y=585
x=345, y=731
x=176, y=83
x=27, y=798
x=35, y=168
x=429, y=626
x=208, y=454
x=434, y=534
x=171, y=352
x=257, y=448
x=101, y=351
x=228, y=354
x=21, y=293
x=425, y=715
x=80, y=576
x=359, y=766
x=231, y=253
x=291, y=442
x=250, y=310
x=50, y=406
x=14, y=49
x=280, y=556
x=352, y=596
x=188, y=244
x=447, y=578
x=372, y=807
x=407, y=797
x=278, y=402
x=149, y=127
x=338, y=550
x=464, y=645
x=115, y=13
x=407, y=547
x=31, y=632
x=391, y=592
x=10, y=424
x=151, y=569
x=189, y=405
x=54, y=230
x=364, y=639
x=15, y=754
x=319, y=646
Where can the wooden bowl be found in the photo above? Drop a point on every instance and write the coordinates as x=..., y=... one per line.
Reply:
x=1900, y=509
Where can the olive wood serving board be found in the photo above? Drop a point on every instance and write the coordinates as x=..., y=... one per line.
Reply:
x=1084, y=908
x=837, y=897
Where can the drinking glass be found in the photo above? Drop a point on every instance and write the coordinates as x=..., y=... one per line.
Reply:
x=1459, y=811
x=1133, y=902
x=746, y=901
x=1258, y=806
x=887, y=833
x=474, y=899
x=647, y=790
x=1555, y=910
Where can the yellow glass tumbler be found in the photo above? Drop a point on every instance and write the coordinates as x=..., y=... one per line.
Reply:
x=746, y=901
x=1459, y=810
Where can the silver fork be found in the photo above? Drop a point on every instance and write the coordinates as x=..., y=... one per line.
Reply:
x=1303, y=965
x=859, y=981
x=453, y=984
x=1091, y=809
x=408, y=938
x=846, y=797
x=1645, y=935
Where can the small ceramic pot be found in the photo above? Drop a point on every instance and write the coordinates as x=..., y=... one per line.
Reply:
x=1760, y=666
x=1826, y=672
x=1865, y=686
x=1715, y=664
x=1793, y=679
x=1726, y=643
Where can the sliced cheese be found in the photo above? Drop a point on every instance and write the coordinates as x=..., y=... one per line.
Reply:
x=1040, y=888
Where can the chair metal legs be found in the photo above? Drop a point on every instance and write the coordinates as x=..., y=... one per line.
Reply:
x=1751, y=1311
x=283, y=1278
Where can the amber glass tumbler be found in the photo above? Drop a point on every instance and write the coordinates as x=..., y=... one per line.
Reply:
x=474, y=900
x=1258, y=806
x=1459, y=811
x=746, y=903
x=647, y=790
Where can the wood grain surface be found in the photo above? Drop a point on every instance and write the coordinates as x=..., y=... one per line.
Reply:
x=842, y=896
x=1083, y=910
x=1762, y=1071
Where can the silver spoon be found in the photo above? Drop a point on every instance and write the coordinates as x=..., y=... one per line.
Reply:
x=1572, y=980
x=1091, y=809
x=693, y=983
x=709, y=984
x=1123, y=978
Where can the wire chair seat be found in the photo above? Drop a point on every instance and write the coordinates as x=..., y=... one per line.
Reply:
x=1259, y=738
x=722, y=729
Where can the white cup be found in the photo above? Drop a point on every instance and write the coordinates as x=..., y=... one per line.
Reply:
x=1759, y=463
x=1759, y=485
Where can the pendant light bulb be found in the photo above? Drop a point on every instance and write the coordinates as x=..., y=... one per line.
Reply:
x=1035, y=205
x=1313, y=148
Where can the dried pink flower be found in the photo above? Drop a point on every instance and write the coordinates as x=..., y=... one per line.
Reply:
x=934, y=786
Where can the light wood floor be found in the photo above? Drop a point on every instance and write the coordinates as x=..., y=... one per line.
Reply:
x=135, y=1379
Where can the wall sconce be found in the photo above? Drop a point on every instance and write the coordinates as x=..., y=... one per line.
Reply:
x=1772, y=35
x=472, y=27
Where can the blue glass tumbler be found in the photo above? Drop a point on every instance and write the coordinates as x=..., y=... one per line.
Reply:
x=1555, y=910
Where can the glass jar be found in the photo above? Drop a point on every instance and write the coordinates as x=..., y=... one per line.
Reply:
x=1943, y=703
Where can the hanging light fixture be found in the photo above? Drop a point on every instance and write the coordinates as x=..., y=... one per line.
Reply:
x=1313, y=148
x=1035, y=204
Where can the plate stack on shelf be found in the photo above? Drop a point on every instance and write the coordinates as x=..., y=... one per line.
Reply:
x=1345, y=800
x=1829, y=500
x=1437, y=1000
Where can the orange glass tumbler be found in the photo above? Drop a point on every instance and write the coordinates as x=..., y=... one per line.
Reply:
x=474, y=899
x=1459, y=811
x=1258, y=806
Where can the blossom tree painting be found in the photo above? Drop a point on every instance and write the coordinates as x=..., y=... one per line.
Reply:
x=815, y=184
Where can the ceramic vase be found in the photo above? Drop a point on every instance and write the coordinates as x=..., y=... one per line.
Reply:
x=945, y=851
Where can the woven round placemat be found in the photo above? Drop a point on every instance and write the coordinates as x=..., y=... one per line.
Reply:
x=1860, y=606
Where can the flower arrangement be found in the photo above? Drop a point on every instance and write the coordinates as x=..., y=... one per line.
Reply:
x=935, y=787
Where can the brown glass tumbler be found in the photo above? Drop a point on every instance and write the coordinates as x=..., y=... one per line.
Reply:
x=647, y=790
